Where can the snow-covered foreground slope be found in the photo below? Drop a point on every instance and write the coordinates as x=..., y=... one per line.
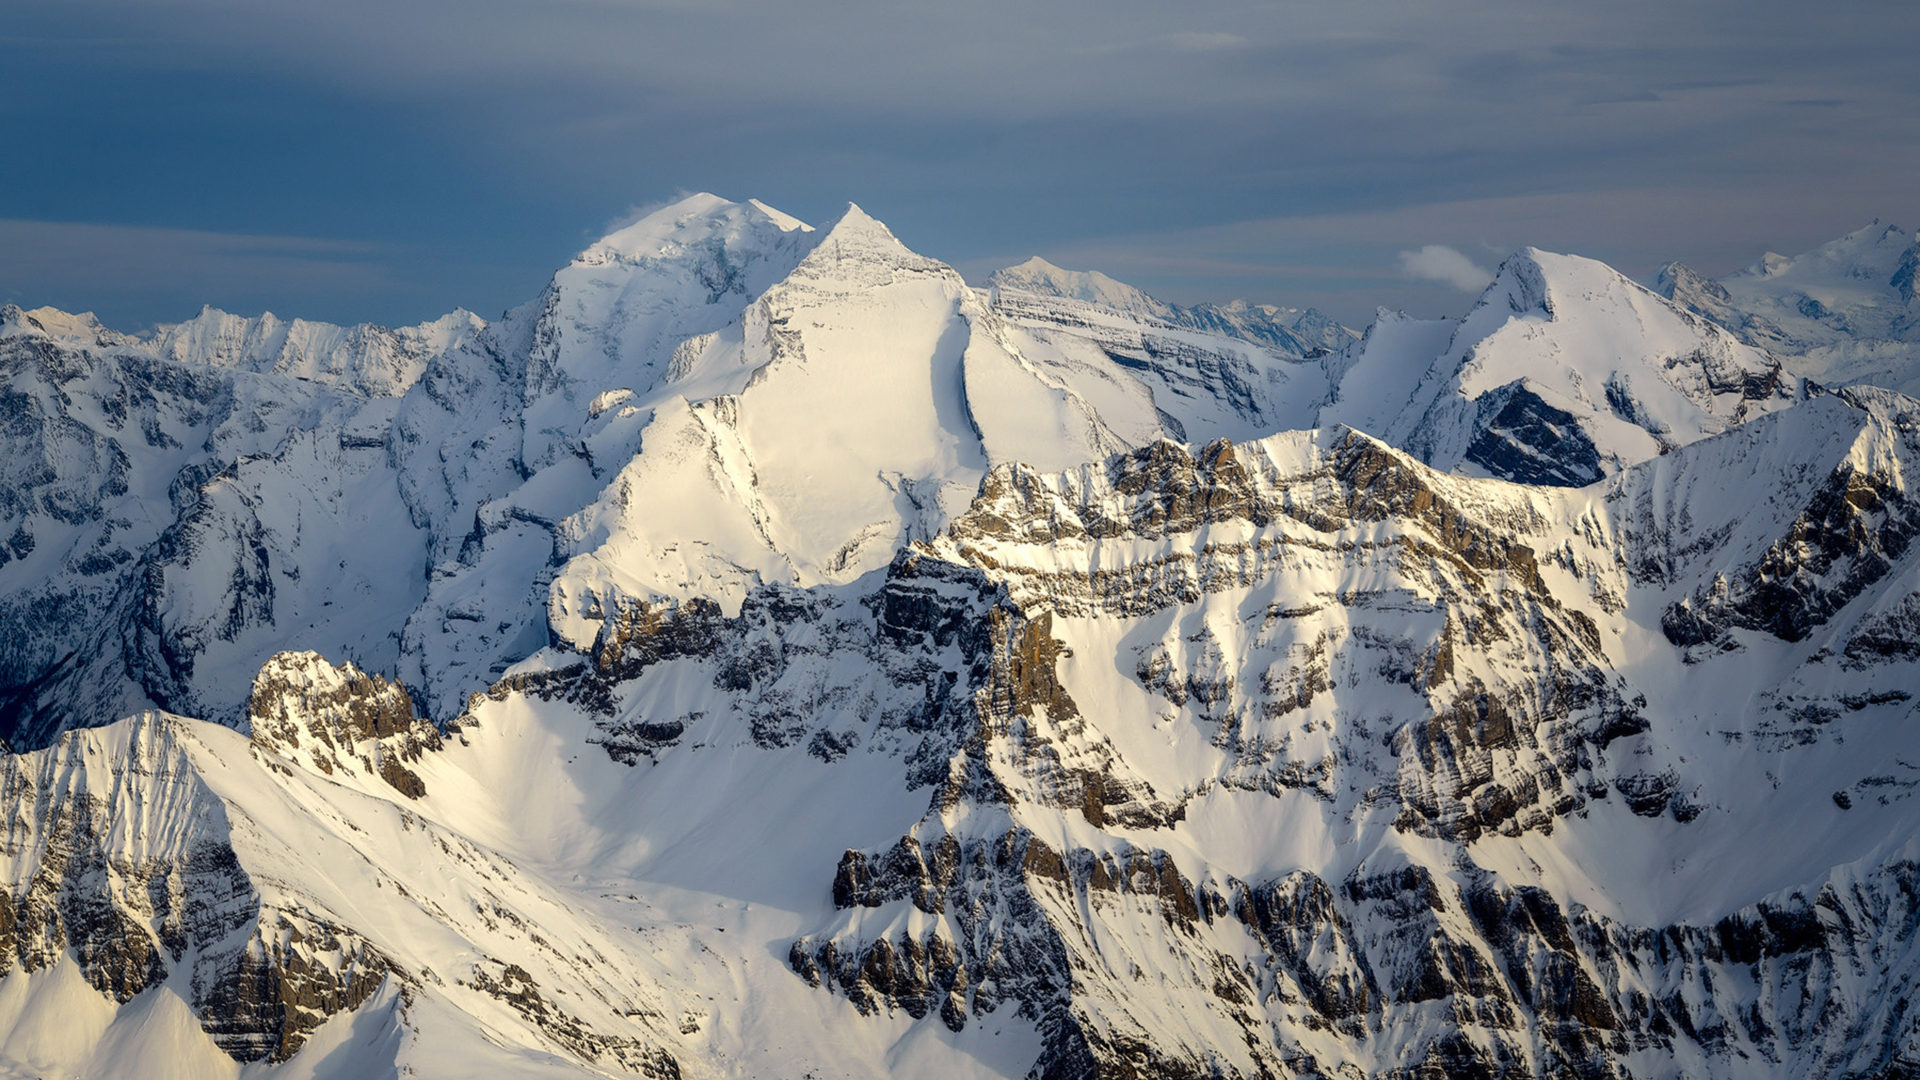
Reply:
x=1290, y=757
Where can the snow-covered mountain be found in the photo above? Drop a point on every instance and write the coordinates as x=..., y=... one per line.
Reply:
x=372, y=360
x=714, y=397
x=1236, y=371
x=1564, y=372
x=1846, y=312
x=764, y=655
x=1047, y=293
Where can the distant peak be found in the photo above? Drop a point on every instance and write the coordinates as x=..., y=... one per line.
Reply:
x=1674, y=271
x=1035, y=265
x=1043, y=278
x=59, y=323
x=1873, y=251
x=1866, y=238
x=1520, y=285
x=1559, y=267
x=82, y=328
x=210, y=316
x=1683, y=284
x=698, y=204
x=459, y=316
x=15, y=323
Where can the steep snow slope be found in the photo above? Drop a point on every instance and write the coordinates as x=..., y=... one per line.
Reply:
x=1563, y=373
x=343, y=895
x=1039, y=278
x=239, y=892
x=1376, y=377
x=876, y=399
x=854, y=420
x=620, y=312
x=1291, y=331
x=1844, y=313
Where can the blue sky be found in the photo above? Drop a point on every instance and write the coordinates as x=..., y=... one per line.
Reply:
x=389, y=160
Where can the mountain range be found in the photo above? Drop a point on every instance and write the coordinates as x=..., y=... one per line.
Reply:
x=765, y=653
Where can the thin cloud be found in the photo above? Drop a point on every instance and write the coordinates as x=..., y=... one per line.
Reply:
x=1208, y=41
x=1448, y=266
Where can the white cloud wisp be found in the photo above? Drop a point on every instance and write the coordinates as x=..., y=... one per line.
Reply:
x=1448, y=266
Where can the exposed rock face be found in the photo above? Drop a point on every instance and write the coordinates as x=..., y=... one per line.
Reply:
x=1906, y=276
x=517, y=988
x=261, y=979
x=159, y=856
x=1467, y=977
x=339, y=720
x=1055, y=867
x=1855, y=530
x=1527, y=440
x=1493, y=753
x=1472, y=980
x=293, y=974
x=168, y=526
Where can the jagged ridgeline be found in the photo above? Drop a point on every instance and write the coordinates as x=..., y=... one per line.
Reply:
x=765, y=654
